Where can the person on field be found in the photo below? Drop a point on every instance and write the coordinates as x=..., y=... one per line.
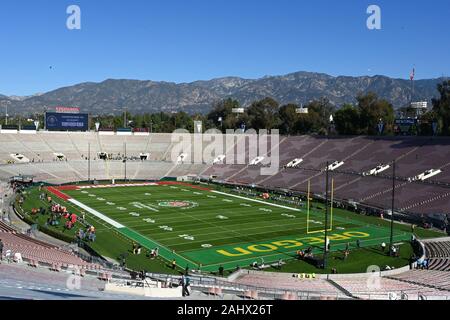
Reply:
x=383, y=246
x=174, y=264
x=346, y=253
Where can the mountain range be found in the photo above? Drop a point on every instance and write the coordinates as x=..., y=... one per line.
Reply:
x=113, y=96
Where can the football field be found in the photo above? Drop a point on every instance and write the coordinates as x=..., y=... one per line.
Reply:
x=204, y=228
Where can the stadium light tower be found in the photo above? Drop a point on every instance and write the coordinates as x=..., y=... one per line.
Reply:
x=391, y=240
x=6, y=111
x=325, y=249
x=125, y=159
x=89, y=161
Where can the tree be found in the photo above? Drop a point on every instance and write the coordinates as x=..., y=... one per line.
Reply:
x=371, y=110
x=441, y=106
x=317, y=120
x=288, y=119
x=263, y=114
x=426, y=123
x=347, y=120
x=224, y=110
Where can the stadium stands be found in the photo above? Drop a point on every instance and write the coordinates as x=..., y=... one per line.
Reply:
x=438, y=253
x=432, y=279
x=37, y=252
x=414, y=155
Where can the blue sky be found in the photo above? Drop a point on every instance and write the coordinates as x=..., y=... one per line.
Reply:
x=187, y=40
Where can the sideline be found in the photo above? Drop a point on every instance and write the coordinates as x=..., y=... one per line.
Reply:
x=96, y=213
x=258, y=201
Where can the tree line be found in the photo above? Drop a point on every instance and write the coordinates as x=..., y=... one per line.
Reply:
x=362, y=118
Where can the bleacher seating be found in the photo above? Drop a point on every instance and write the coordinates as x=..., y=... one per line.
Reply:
x=36, y=251
x=414, y=155
x=438, y=252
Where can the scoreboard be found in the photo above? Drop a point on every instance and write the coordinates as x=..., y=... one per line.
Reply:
x=405, y=127
x=56, y=121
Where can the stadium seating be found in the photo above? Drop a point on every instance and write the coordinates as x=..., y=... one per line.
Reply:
x=414, y=155
x=286, y=282
x=428, y=278
x=438, y=252
x=36, y=251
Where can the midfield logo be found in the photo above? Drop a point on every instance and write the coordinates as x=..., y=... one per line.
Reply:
x=177, y=204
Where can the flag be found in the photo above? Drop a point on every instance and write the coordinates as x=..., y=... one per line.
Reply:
x=412, y=75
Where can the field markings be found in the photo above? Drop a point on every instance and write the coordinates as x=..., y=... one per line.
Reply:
x=294, y=230
x=225, y=228
x=258, y=201
x=284, y=253
x=96, y=213
x=232, y=225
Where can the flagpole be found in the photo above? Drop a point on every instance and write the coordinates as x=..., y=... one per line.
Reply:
x=413, y=74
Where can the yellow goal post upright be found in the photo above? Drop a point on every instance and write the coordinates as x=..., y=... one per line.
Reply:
x=308, y=205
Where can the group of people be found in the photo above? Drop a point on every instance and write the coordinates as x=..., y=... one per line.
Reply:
x=394, y=251
x=154, y=253
x=302, y=254
x=185, y=283
x=137, y=248
x=56, y=213
x=87, y=234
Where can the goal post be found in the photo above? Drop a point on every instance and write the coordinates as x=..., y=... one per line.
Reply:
x=308, y=211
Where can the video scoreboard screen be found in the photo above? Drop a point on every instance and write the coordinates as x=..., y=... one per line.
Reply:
x=405, y=126
x=67, y=121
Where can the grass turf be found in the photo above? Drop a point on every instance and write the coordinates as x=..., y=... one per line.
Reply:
x=221, y=229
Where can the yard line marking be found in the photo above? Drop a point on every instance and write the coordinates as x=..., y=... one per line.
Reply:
x=140, y=205
x=285, y=253
x=254, y=200
x=96, y=213
x=287, y=227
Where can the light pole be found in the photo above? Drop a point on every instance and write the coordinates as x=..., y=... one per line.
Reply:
x=221, y=123
x=125, y=159
x=391, y=241
x=6, y=111
x=325, y=251
x=89, y=162
x=330, y=124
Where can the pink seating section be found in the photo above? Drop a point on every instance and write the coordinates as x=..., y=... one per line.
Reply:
x=414, y=155
x=38, y=252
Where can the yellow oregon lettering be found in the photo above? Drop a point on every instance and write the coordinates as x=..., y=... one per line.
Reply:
x=338, y=237
x=312, y=240
x=287, y=244
x=255, y=248
x=242, y=251
x=356, y=234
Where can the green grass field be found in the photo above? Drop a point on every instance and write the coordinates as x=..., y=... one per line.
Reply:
x=210, y=228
